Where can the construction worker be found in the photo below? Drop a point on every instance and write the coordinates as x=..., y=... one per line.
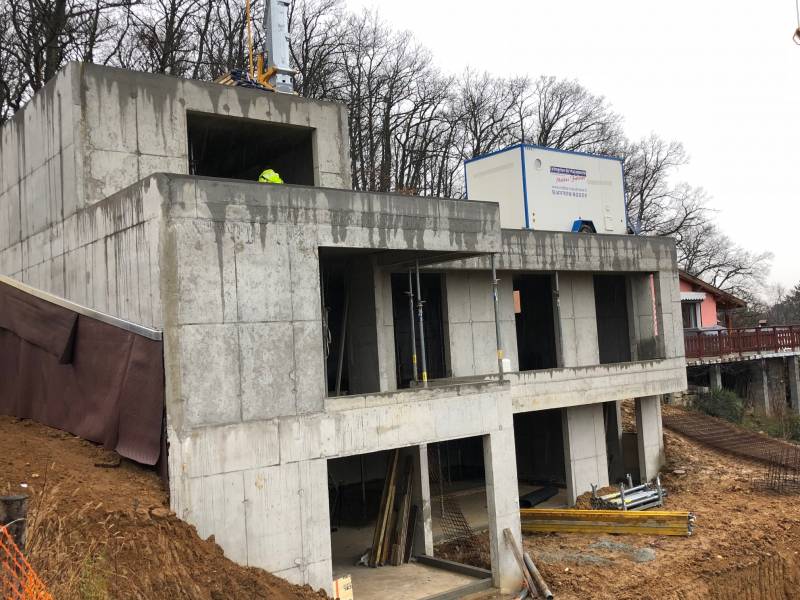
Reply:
x=269, y=176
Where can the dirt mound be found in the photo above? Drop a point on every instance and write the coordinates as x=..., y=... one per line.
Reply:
x=100, y=527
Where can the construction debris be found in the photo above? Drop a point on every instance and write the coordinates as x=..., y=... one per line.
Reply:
x=640, y=497
x=392, y=540
x=542, y=520
x=533, y=579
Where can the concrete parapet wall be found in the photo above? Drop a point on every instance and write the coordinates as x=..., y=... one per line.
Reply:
x=105, y=256
x=558, y=388
x=533, y=250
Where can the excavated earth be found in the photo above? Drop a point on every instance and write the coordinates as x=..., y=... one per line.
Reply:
x=745, y=543
x=100, y=526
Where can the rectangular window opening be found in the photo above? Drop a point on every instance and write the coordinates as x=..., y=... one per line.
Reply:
x=236, y=148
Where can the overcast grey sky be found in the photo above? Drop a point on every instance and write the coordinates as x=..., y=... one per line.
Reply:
x=721, y=77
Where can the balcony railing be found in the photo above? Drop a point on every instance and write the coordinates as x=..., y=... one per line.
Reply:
x=725, y=342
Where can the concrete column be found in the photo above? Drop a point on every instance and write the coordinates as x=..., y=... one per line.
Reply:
x=759, y=387
x=794, y=382
x=613, y=425
x=585, y=455
x=715, y=376
x=502, y=500
x=649, y=437
x=421, y=497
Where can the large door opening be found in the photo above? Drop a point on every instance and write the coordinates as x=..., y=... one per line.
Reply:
x=535, y=322
x=236, y=148
x=362, y=519
x=539, y=445
x=434, y=323
x=611, y=307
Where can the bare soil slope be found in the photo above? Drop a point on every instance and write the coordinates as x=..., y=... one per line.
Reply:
x=102, y=531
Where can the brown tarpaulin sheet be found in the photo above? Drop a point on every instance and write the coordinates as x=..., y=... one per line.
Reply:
x=82, y=375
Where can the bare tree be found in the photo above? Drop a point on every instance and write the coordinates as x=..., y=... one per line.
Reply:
x=40, y=36
x=317, y=33
x=569, y=117
x=705, y=252
x=655, y=205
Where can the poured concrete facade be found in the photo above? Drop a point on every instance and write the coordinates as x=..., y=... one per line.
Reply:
x=230, y=271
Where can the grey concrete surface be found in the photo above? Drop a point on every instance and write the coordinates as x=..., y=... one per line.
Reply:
x=650, y=437
x=793, y=367
x=585, y=456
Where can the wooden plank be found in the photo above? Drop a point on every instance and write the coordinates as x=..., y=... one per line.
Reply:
x=520, y=561
x=545, y=527
x=411, y=534
x=380, y=523
x=383, y=548
x=601, y=515
x=401, y=530
x=386, y=547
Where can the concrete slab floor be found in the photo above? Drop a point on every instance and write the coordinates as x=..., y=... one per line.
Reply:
x=413, y=580
x=407, y=582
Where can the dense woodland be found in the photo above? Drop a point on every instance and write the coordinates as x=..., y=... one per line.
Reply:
x=411, y=125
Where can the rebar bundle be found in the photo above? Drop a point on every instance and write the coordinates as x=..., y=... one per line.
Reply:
x=729, y=438
x=782, y=474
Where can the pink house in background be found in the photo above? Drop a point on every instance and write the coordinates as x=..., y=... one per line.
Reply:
x=702, y=303
x=759, y=363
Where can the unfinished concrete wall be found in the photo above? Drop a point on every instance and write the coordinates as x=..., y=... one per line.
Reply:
x=650, y=437
x=577, y=320
x=246, y=402
x=471, y=326
x=105, y=256
x=37, y=181
x=647, y=341
x=584, y=449
x=93, y=131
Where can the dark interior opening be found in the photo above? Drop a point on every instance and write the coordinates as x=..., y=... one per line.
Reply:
x=611, y=306
x=335, y=283
x=434, y=324
x=350, y=331
x=535, y=322
x=460, y=463
x=355, y=484
x=236, y=148
x=539, y=446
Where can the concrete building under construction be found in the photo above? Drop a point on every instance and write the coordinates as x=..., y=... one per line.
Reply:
x=288, y=338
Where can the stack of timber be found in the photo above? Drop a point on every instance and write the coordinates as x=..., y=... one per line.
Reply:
x=393, y=539
x=653, y=522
